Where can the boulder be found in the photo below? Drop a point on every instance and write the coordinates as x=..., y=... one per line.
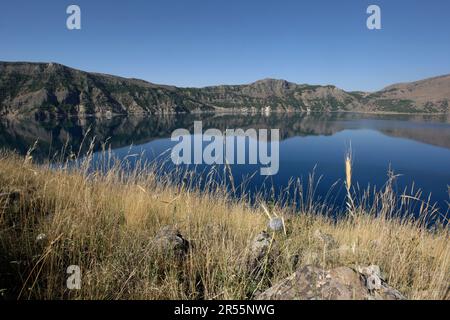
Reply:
x=372, y=270
x=313, y=283
x=169, y=240
x=263, y=253
x=376, y=284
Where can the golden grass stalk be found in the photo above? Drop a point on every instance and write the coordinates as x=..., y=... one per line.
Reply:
x=348, y=171
x=348, y=183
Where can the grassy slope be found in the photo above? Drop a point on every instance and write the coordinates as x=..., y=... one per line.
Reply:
x=105, y=224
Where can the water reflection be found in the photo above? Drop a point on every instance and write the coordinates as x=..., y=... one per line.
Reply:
x=54, y=135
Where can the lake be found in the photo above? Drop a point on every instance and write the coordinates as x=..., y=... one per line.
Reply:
x=415, y=147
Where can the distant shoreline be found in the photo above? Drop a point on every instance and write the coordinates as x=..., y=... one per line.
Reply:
x=219, y=112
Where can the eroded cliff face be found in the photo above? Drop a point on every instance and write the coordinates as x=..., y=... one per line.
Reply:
x=49, y=90
x=275, y=94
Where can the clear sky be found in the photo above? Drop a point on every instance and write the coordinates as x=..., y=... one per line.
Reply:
x=209, y=42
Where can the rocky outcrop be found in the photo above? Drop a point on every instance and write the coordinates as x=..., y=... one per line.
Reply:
x=169, y=241
x=343, y=283
x=263, y=253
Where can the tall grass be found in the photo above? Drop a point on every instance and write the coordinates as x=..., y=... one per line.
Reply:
x=348, y=183
x=104, y=220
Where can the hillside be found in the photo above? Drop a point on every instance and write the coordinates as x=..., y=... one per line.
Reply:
x=49, y=89
x=278, y=94
x=429, y=95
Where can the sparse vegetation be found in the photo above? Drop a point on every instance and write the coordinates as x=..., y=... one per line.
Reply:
x=396, y=105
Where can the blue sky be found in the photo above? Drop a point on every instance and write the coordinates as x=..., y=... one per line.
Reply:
x=209, y=42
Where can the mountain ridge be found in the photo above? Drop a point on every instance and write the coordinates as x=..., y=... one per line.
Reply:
x=52, y=89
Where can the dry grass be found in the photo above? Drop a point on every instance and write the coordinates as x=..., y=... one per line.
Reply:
x=105, y=223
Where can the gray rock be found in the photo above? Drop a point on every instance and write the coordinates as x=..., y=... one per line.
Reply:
x=276, y=224
x=42, y=237
x=313, y=283
x=169, y=240
x=263, y=253
x=372, y=270
x=373, y=282
x=376, y=283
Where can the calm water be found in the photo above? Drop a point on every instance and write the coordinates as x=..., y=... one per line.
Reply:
x=415, y=147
